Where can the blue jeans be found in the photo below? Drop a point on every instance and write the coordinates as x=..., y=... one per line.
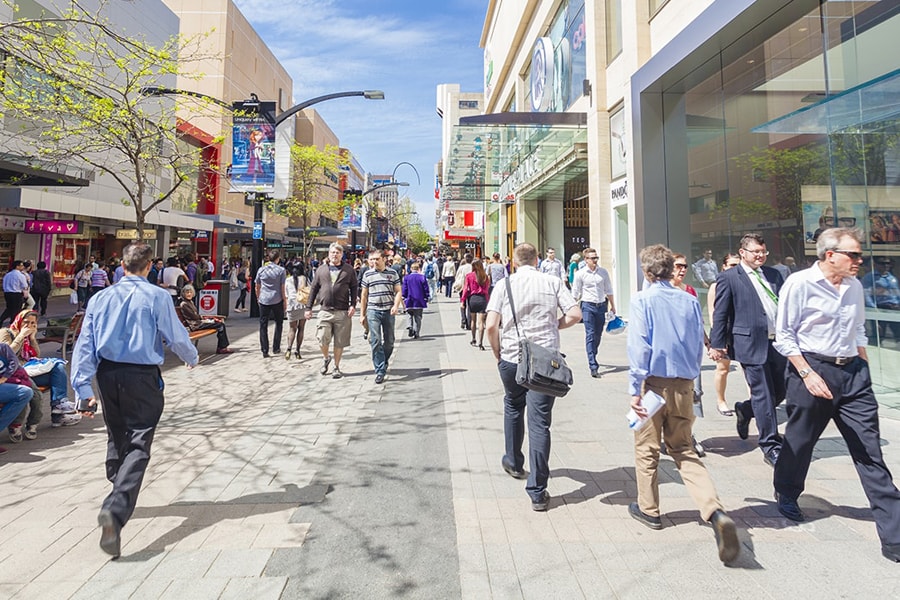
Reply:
x=540, y=408
x=56, y=381
x=594, y=317
x=381, y=337
x=13, y=398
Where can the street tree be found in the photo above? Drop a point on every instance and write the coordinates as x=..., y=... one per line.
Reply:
x=74, y=93
x=313, y=172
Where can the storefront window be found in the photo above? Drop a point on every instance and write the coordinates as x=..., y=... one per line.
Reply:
x=799, y=133
x=613, y=29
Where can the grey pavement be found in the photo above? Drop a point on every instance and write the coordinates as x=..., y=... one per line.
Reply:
x=270, y=481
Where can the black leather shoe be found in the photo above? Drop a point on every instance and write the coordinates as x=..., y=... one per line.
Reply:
x=726, y=536
x=542, y=504
x=789, y=508
x=891, y=552
x=595, y=374
x=511, y=471
x=110, y=542
x=379, y=378
x=770, y=457
x=652, y=522
x=741, y=421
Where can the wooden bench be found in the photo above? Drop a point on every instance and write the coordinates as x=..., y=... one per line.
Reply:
x=197, y=335
x=69, y=335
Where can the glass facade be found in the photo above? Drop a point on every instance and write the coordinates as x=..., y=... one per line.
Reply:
x=799, y=132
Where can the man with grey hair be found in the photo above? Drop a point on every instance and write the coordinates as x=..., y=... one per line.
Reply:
x=121, y=342
x=539, y=300
x=335, y=285
x=821, y=330
x=665, y=347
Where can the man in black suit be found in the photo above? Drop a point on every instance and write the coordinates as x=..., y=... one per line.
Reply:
x=743, y=329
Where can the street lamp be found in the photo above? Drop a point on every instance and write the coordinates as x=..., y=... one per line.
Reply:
x=259, y=199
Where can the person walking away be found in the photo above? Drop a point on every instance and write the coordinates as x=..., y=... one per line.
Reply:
x=121, y=342
x=41, y=284
x=172, y=279
x=496, y=270
x=448, y=273
x=665, y=348
x=381, y=299
x=431, y=276
x=14, y=395
x=197, y=322
x=153, y=275
x=744, y=330
x=474, y=298
x=416, y=293
x=272, y=299
x=335, y=286
x=461, y=271
x=297, y=291
x=243, y=287
x=539, y=299
x=15, y=286
x=592, y=287
x=820, y=328
x=99, y=281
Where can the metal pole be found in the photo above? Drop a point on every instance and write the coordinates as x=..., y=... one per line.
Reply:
x=258, y=248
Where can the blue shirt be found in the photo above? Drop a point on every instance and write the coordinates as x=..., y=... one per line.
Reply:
x=128, y=323
x=15, y=282
x=882, y=289
x=271, y=278
x=118, y=274
x=665, y=335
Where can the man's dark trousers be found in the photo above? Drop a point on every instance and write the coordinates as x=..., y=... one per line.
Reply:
x=855, y=413
x=276, y=313
x=540, y=409
x=593, y=315
x=767, y=391
x=132, y=398
x=14, y=303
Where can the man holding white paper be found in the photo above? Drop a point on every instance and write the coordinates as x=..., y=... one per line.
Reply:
x=665, y=347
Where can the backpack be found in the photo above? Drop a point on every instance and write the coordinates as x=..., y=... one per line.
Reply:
x=199, y=280
x=429, y=271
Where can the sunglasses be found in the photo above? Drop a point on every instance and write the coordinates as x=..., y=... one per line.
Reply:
x=681, y=265
x=854, y=256
x=591, y=257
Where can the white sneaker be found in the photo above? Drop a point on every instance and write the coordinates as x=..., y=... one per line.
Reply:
x=63, y=408
x=65, y=420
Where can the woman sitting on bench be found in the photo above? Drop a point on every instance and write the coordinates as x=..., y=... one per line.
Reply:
x=195, y=322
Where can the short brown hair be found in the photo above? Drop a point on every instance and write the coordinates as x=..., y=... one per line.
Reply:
x=657, y=263
x=525, y=254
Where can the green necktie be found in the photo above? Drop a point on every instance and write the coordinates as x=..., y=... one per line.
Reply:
x=765, y=287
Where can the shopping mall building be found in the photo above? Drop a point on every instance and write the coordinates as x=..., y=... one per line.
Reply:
x=620, y=124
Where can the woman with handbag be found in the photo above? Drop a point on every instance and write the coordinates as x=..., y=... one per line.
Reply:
x=297, y=290
x=475, y=296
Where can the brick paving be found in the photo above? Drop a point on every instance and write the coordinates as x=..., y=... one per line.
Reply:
x=236, y=481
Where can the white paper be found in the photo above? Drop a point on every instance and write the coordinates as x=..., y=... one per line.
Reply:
x=651, y=402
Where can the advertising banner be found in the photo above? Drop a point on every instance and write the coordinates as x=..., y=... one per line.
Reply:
x=253, y=147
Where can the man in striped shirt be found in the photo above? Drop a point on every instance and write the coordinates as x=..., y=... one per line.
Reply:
x=381, y=301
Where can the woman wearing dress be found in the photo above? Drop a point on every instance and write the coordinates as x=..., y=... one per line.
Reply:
x=296, y=289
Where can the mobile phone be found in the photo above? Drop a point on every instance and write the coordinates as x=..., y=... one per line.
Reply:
x=85, y=406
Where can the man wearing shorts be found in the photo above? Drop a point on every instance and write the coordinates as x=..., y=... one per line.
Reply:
x=334, y=284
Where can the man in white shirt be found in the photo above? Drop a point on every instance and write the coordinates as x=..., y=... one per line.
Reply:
x=705, y=269
x=592, y=287
x=552, y=265
x=821, y=330
x=538, y=301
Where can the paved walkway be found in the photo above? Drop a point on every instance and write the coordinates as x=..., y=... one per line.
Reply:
x=270, y=481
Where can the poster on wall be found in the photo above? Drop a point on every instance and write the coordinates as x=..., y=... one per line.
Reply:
x=618, y=155
x=253, y=147
x=818, y=216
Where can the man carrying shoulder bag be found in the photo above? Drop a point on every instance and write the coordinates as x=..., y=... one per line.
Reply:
x=536, y=318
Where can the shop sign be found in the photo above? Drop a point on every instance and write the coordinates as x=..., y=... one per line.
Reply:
x=7, y=222
x=257, y=230
x=132, y=234
x=42, y=226
x=197, y=234
x=208, y=301
x=525, y=172
x=618, y=192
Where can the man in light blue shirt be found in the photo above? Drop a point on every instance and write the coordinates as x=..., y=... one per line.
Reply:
x=15, y=286
x=121, y=341
x=665, y=346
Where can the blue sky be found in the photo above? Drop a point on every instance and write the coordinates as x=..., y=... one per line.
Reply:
x=403, y=47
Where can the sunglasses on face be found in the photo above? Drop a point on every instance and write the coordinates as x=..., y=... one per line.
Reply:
x=854, y=256
x=680, y=266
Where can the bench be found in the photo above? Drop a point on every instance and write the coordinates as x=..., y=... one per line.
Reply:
x=194, y=336
x=67, y=338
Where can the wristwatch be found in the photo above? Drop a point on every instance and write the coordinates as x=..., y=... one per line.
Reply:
x=804, y=373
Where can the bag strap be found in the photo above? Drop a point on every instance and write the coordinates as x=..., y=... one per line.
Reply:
x=512, y=307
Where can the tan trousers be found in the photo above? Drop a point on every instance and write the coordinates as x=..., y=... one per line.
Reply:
x=673, y=421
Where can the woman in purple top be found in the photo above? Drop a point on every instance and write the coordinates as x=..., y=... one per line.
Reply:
x=415, y=298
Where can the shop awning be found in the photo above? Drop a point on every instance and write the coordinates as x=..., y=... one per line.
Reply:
x=18, y=170
x=498, y=157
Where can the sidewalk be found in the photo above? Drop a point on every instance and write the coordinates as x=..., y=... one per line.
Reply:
x=271, y=481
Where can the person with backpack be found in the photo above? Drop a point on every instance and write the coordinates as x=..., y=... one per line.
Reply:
x=431, y=277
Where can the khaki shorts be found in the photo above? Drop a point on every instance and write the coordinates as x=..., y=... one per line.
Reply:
x=333, y=326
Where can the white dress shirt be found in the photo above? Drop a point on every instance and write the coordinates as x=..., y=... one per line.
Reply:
x=815, y=316
x=592, y=286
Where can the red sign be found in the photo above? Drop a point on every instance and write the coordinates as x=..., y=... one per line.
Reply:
x=207, y=302
x=35, y=226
